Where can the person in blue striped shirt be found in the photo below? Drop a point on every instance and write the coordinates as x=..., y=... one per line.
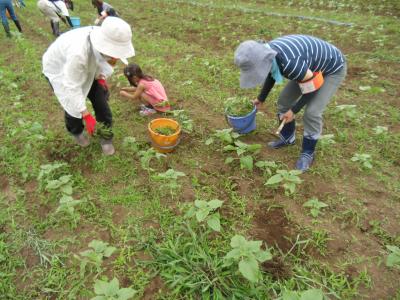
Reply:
x=297, y=58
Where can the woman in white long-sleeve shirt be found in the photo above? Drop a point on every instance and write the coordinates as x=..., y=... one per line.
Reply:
x=77, y=64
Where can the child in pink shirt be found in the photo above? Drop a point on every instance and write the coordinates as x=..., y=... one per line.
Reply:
x=146, y=89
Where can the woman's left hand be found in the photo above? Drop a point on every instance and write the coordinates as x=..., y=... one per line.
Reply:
x=288, y=116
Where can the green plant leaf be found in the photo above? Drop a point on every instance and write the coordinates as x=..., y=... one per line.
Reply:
x=237, y=241
x=368, y=165
x=262, y=256
x=249, y=269
x=246, y=162
x=314, y=212
x=67, y=189
x=201, y=215
x=99, y=298
x=101, y=288
x=125, y=293
x=109, y=251
x=215, y=203
x=214, y=223
x=313, y=294
x=233, y=254
x=274, y=179
x=392, y=260
x=229, y=160
x=200, y=203
x=254, y=148
x=290, y=295
x=229, y=148
x=53, y=184
x=209, y=141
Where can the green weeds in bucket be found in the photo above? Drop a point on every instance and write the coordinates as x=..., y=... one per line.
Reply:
x=238, y=106
x=166, y=130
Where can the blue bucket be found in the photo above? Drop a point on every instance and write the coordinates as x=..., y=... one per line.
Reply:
x=76, y=22
x=243, y=124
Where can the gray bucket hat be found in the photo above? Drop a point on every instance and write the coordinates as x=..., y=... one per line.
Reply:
x=255, y=62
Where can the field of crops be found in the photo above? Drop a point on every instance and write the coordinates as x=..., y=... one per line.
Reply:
x=203, y=222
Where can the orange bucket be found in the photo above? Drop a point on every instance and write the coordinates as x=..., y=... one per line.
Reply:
x=164, y=143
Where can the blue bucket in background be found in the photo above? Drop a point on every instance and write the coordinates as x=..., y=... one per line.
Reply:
x=76, y=22
x=243, y=124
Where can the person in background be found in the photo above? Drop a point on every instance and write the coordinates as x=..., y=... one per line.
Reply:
x=104, y=10
x=301, y=59
x=6, y=5
x=77, y=64
x=146, y=89
x=56, y=10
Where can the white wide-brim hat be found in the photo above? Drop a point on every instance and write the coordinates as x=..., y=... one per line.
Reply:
x=113, y=38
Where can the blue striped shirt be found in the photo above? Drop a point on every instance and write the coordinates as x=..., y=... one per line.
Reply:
x=298, y=53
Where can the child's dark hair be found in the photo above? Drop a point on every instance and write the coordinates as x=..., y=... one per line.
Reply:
x=134, y=70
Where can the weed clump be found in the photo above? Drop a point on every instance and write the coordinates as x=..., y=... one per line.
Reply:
x=238, y=106
x=167, y=130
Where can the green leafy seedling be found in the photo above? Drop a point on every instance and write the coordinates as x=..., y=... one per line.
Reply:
x=169, y=180
x=94, y=256
x=393, y=259
x=146, y=156
x=63, y=184
x=205, y=212
x=364, y=159
x=267, y=167
x=130, y=143
x=246, y=161
x=315, y=206
x=111, y=291
x=225, y=136
x=183, y=119
x=312, y=294
x=67, y=204
x=288, y=179
x=248, y=255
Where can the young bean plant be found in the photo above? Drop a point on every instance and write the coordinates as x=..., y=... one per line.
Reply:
x=315, y=206
x=245, y=153
x=169, y=180
x=183, y=119
x=94, y=256
x=312, y=294
x=364, y=159
x=288, y=179
x=225, y=136
x=146, y=156
x=111, y=291
x=248, y=255
x=393, y=259
x=205, y=211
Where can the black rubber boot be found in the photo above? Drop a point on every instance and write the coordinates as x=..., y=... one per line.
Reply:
x=18, y=25
x=7, y=29
x=55, y=26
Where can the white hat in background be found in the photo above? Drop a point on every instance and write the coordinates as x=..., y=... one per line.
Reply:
x=113, y=38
